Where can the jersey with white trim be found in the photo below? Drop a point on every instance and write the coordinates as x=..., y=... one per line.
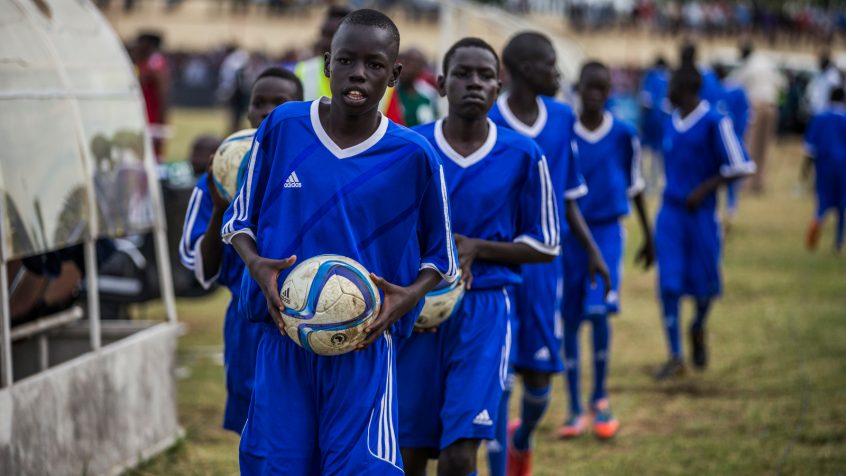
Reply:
x=825, y=139
x=552, y=131
x=303, y=195
x=698, y=147
x=501, y=192
x=734, y=102
x=197, y=218
x=609, y=157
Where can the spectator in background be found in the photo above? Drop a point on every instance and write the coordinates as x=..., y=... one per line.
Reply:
x=763, y=84
x=310, y=71
x=154, y=78
x=229, y=90
x=827, y=79
x=419, y=99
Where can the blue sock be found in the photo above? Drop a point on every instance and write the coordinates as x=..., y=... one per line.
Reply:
x=702, y=307
x=535, y=401
x=497, y=447
x=841, y=227
x=601, y=345
x=670, y=303
x=571, y=363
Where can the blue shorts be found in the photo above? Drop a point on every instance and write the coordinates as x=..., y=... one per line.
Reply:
x=319, y=415
x=451, y=381
x=580, y=298
x=240, y=340
x=539, y=333
x=830, y=188
x=688, y=245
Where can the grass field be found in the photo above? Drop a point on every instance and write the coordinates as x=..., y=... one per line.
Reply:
x=772, y=401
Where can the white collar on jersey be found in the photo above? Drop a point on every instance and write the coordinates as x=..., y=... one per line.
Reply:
x=518, y=125
x=683, y=125
x=459, y=159
x=597, y=134
x=332, y=146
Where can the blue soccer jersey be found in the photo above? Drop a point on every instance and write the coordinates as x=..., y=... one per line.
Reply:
x=451, y=381
x=825, y=141
x=653, y=96
x=734, y=103
x=539, y=331
x=240, y=337
x=698, y=147
x=501, y=192
x=303, y=195
x=609, y=157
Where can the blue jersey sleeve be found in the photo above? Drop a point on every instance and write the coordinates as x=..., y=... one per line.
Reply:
x=243, y=213
x=575, y=187
x=537, y=220
x=734, y=160
x=437, y=246
x=197, y=219
x=635, y=183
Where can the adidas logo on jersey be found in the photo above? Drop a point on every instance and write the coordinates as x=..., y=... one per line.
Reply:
x=483, y=418
x=543, y=354
x=293, y=181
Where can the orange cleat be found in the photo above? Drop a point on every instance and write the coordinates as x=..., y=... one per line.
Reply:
x=519, y=462
x=605, y=426
x=573, y=427
x=813, y=236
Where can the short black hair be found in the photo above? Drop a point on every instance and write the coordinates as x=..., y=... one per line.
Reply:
x=520, y=47
x=154, y=38
x=337, y=12
x=688, y=77
x=593, y=65
x=469, y=42
x=687, y=54
x=838, y=94
x=373, y=18
x=281, y=73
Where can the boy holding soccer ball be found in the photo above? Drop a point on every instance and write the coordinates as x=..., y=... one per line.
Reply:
x=504, y=215
x=368, y=190
x=202, y=251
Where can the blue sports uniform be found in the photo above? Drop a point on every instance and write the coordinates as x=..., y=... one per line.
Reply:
x=696, y=148
x=240, y=337
x=609, y=157
x=539, y=334
x=825, y=142
x=303, y=195
x=734, y=102
x=652, y=97
x=451, y=381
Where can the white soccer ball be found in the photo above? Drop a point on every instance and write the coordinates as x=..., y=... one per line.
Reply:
x=440, y=303
x=329, y=300
x=230, y=162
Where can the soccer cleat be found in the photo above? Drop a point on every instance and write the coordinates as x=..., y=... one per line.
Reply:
x=813, y=235
x=604, y=424
x=573, y=427
x=671, y=368
x=519, y=462
x=697, y=343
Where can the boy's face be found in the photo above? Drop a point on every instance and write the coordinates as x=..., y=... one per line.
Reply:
x=269, y=92
x=472, y=82
x=594, y=88
x=361, y=65
x=542, y=72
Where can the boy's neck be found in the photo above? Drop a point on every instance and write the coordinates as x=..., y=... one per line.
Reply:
x=465, y=136
x=347, y=130
x=591, y=120
x=523, y=103
x=688, y=106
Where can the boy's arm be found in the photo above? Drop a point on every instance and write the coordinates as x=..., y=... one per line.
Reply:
x=646, y=253
x=734, y=163
x=211, y=246
x=596, y=264
x=471, y=249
